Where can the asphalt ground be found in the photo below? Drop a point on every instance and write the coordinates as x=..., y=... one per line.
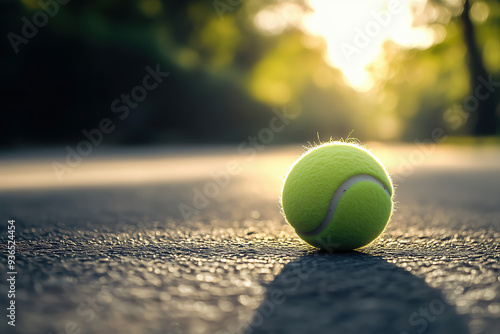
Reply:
x=112, y=249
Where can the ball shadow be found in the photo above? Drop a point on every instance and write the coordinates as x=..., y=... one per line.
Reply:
x=352, y=293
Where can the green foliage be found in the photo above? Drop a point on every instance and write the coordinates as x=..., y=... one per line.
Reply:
x=226, y=74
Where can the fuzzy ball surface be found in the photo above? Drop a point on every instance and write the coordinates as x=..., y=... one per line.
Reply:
x=337, y=196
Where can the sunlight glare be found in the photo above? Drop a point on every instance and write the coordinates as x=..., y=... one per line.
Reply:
x=356, y=30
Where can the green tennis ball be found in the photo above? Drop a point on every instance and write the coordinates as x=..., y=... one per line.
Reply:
x=337, y=196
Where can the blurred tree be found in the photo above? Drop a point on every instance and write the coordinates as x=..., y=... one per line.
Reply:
x=487, y=122
x=437, y=86
x=230, y=64
x=226, y=75
x=486, y=119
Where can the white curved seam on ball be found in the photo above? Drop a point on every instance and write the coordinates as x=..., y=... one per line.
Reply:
x=337, y=195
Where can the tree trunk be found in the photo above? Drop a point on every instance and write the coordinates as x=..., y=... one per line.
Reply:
x=486, y=119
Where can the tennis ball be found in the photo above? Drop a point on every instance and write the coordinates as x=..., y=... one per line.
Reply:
x=337, y=196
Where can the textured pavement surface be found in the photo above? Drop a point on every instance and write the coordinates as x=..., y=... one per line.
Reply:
x=109, y=251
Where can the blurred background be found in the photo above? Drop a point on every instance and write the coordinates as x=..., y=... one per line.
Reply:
x=176, y=211
x=391, y=70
